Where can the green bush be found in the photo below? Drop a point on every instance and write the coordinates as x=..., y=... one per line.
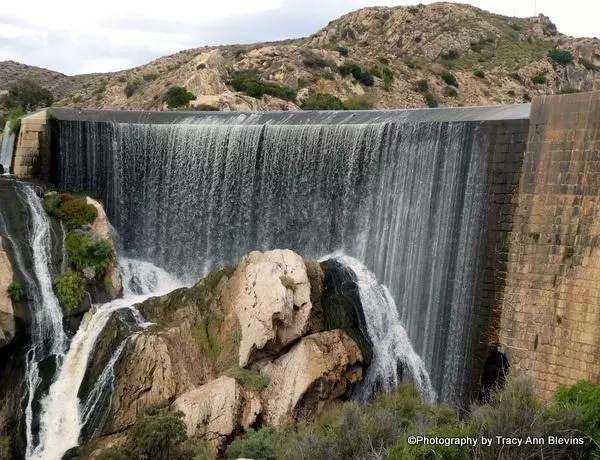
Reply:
x=450, y=55
x=13, y=125
x=421, y=86
x=312, y=61
x=562, y=57
x=449, y=79
x=259, y=445
x=177, y=96
x=157, y=431
x=129, y=89
x=116, y=453
x=253, y=86
x=588, y=65
x=322, y=101
x=366, y=78
x=383, y=60
x=342, y=50
x=70, y=289
x=358, y=103
x=249, y=379
x=479, y=74
x=15, y=291
x=349, y=68
x=586, y=397
x=450, y=91
x=388, y=78
x=75, y=212
x=431, y=101
x=376, y=71
x=411, y=64
x=539, y=79
x=85, y=251
x=27, y=96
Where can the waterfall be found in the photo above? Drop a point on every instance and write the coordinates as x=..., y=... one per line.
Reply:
x=394, y=359
x=407, y=199
x=7, y=148
x=62, y=413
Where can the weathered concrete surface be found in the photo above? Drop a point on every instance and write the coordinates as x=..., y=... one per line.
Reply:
x=550, y=324
x=32, y=151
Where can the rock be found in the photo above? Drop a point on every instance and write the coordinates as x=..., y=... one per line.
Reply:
x=7, y=313
x=104, y=230
x=216, y=410
x=318, y=370
x=270, y=293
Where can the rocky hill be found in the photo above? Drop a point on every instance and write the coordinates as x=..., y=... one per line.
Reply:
x=402, y=57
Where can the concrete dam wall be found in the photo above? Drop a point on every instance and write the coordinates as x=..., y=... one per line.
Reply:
x=479, y=220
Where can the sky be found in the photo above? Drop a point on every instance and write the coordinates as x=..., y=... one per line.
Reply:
x=75, y=36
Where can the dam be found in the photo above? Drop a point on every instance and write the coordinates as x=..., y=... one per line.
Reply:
x=480, y=221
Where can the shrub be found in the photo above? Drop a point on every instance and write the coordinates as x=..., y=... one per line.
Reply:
x=431, y=101
x=421, y=86
x=76, y=213
x=116, y=453
x=177, y=96
x=249, y=379
x=70, y=289
x=585, y=396
x=349, y=68
x=562, y=57
x=253, y=86
x=479, y=74
x=376, y=71
x=258, y=445
x=313, y=61
x=367, y=79
x=322, y=101
x=450, y=55
x=150, y=76
x=539, y=79
x=27, y=96
x=13, y=125
x=388, y=78
x=383, y=60
x=157, y=431
x=342, y=50
x=205, y=108
x=220, y=338
x=358, y=103
x=356, y=72
x=449, y=79
x=84, y=251
x=52, y=204
x=15, y=291
x=588, y=65
x=450, y=91
x=411, y=64
x=129, y=89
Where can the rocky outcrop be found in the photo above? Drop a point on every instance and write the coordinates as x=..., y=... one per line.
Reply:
x=216, y=410
x=270, y=294
x=242, y=345
x=102, y=228
x=319, y=369
x=7, y=313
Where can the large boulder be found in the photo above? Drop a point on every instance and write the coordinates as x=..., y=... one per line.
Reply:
x=7, y=313
x=216, y=410
x=318, y=370
x=271, y=295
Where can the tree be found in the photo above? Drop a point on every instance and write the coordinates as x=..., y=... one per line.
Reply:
x=157, y=431
x=27, y=96
x=177, y=96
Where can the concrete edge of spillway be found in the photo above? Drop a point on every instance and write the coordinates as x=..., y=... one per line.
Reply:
x=482, y=113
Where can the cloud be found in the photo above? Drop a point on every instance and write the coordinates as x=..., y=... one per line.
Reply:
x=72, y=39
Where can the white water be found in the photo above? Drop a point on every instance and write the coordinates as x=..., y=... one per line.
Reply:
x=48, y=338
x=7, y=148
x=394, y=359
x=63, y=414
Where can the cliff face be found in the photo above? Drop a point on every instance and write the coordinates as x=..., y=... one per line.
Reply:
x=417, y=44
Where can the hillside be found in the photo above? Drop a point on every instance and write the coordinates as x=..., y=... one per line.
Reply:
x=446, y=54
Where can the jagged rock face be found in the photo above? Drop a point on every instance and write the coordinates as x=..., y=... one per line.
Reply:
x=270, y=294
x=319, y=369
x=7, y=313
x=215, y=410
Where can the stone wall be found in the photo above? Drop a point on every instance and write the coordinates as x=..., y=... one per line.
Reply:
x=31, y=158
x=550, y=320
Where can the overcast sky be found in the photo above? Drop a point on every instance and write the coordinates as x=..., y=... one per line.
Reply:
x=77, y=36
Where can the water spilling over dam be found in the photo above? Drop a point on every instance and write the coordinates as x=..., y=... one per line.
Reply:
x=404, y=192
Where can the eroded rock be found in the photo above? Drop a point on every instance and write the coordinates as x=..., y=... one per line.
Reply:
x=7, y=313
x=319, y=369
